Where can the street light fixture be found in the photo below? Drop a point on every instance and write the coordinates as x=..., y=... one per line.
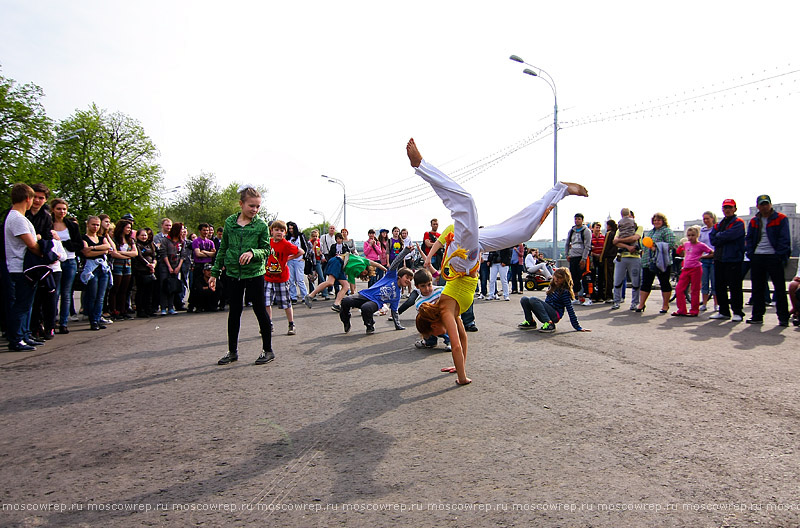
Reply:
x=552, y=84
x=324, y=221
x=344, y=192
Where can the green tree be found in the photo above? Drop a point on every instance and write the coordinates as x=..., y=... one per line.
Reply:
x=110, y=167
x=321, y=228
x=25, y=132
x=203, y=200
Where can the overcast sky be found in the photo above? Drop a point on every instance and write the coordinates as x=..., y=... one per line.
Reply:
x=280, y=93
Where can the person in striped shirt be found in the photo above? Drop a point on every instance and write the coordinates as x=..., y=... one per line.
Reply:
x=425, y=292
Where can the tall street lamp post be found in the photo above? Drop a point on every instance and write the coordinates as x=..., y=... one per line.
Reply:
x=344, y=192
x=552, y=84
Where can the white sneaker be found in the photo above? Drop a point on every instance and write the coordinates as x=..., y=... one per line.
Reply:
x=576, y=301
x=587, y=302
x=75, y=318
x=703, y=308
x=480, y=296
x=506, y=299
x=736, y=318
x=720, y=316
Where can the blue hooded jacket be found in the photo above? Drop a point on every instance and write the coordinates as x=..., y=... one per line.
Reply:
x=777, y=232
x=727, y=237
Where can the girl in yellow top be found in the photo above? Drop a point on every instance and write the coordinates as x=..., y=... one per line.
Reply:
x=464, y=245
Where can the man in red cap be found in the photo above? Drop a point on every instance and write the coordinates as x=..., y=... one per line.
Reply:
x=727, y=237
x=768, y=245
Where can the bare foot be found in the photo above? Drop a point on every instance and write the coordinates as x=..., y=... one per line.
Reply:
x=466, y=381
x=413, y=153
x=576, y=189
x=451, y=370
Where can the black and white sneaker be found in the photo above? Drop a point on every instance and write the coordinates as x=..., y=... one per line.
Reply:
x=292, y=330
x=336, y=308
x=265, y=357
x=228, y=358
x=370, y=329
x=22, y=346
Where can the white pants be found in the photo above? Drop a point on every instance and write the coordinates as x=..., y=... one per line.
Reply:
x=462, y=209
x=494, y=271
x=542, y=269
x=521, y=227
x=509, y=233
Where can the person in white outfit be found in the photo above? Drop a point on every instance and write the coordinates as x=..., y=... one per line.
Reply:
x=534, y=265
x=500, y=260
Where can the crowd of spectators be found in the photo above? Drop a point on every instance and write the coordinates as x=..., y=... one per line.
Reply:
x=119, y=270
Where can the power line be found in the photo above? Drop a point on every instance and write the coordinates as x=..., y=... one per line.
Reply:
x=459, y=175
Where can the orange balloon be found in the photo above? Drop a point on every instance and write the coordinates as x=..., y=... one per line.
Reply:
x=648, y=242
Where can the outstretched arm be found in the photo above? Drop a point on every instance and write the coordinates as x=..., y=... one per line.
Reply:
x=398, y=260
x=396, y=319
x=409, y=302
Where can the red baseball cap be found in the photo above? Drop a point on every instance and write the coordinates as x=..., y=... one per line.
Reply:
x=728, y=202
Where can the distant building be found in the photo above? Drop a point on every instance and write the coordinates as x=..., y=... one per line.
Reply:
x=789, y=209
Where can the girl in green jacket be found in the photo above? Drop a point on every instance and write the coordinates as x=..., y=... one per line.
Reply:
x=242, y=252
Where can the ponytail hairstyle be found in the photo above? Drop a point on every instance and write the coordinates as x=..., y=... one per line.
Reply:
x=247, y=191
x=429, y=314
x=566, y=282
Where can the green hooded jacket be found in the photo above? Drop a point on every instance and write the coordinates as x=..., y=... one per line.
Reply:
x=238, y=239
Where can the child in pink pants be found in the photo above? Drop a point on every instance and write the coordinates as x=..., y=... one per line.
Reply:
x=691, y=273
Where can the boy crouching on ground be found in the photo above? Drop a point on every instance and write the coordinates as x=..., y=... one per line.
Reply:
x=425, y=292
x=387, y=290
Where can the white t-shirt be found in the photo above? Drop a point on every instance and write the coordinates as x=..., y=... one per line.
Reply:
x=764, y=246
x=64, y=236
x=16, y=225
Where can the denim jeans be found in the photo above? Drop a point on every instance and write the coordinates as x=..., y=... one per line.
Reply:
x=432, y=340
x=64, y=289
x=535, y=306
x=632, y=265
x=707, y=280
x=468, y=317
x=95, y=292
x=379, y=273
x=483, y=274
x=320, y=278
x=515, y=275
x=297, y=278
x=20, y=298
